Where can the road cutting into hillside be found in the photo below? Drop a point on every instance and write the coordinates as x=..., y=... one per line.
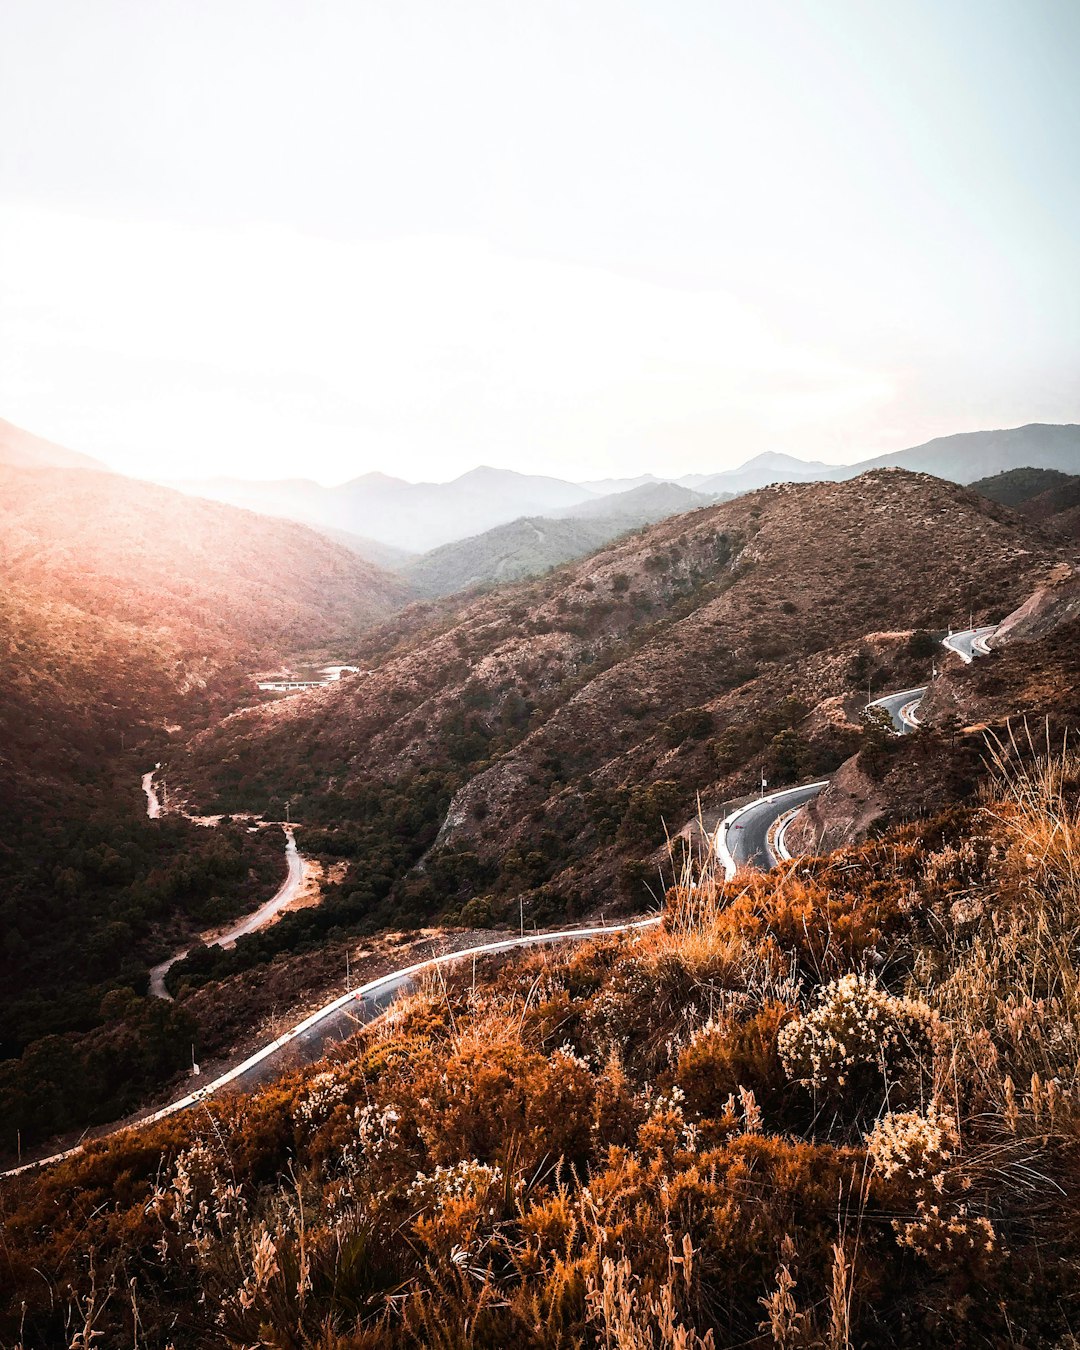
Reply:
x=743, y=836
x=339, y=1019
x=899, y=708
x=749, y=836
x=250, y=923
x=971, y=642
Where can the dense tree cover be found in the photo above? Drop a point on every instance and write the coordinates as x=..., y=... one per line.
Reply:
x=104, y=897
x=383, y=831
x=89, y=900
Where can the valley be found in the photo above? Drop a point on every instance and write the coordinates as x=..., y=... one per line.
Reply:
x=521, y=770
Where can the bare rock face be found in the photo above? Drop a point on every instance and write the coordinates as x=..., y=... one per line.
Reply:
x=840, y=814
x=1052, y=604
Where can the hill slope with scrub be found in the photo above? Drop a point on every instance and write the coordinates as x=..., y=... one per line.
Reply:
x=835, y=1106
x=130, y=615
x=527, y=750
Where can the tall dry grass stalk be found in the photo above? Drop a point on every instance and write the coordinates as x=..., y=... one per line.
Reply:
x=694, y=935
x=627, y=1317
x=1010, y=990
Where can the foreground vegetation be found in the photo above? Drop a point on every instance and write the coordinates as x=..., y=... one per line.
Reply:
x=837, y=1106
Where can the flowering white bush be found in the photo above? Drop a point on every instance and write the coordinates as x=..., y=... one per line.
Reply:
x=910, y=1147
x=947, y=1238
x=324, y=1091
x=200, y=1203
x=856, y=1026
x=913, y=1153
x=376, y=1134
x=467, y=1179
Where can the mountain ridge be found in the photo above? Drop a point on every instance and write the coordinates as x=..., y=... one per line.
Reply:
x=428, y=515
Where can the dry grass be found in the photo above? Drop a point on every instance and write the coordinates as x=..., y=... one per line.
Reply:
x=609, y=1146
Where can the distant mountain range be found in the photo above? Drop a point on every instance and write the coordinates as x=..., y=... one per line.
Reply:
x=389, y=511
x=390, y=521
x=418, y=517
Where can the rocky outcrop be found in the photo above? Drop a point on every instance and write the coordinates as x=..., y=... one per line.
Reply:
x=840, y=814
x=1052, y=604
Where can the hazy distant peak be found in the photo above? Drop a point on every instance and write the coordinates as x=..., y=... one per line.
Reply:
x=24, y=450
x=378, y=480
x=604, y=487
x=484, y=475
x=777, y=459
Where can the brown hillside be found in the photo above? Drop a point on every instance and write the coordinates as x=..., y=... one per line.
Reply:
x=571, y=718
x=148, y=555
x=1029, y=684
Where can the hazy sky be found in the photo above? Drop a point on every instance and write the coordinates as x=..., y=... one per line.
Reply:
x=312, y=237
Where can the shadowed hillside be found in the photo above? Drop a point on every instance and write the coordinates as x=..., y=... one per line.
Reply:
x=129, y=614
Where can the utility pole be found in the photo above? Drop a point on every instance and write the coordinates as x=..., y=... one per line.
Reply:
x=348, y=978
x=194, y=1066
x=764, y=782
x=521, y=913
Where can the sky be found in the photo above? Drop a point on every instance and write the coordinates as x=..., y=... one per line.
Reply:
x=273, y=239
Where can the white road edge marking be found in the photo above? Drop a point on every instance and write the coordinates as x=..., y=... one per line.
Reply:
x=351, y=996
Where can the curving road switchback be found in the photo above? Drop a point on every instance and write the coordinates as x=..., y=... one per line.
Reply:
x=901, y=709
x=753, y=835
x=971, y=642
x=743, y=838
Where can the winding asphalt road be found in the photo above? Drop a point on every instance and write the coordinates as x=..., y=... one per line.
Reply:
x=969, y=643
x=251, y=923
x=753, y=835
x=742, y=840
x=900, y=707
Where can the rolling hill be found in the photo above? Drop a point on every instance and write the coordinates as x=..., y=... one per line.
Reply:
x=1016, y=486
x=1043, y=495
x=533, y=544
x=22, y=449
